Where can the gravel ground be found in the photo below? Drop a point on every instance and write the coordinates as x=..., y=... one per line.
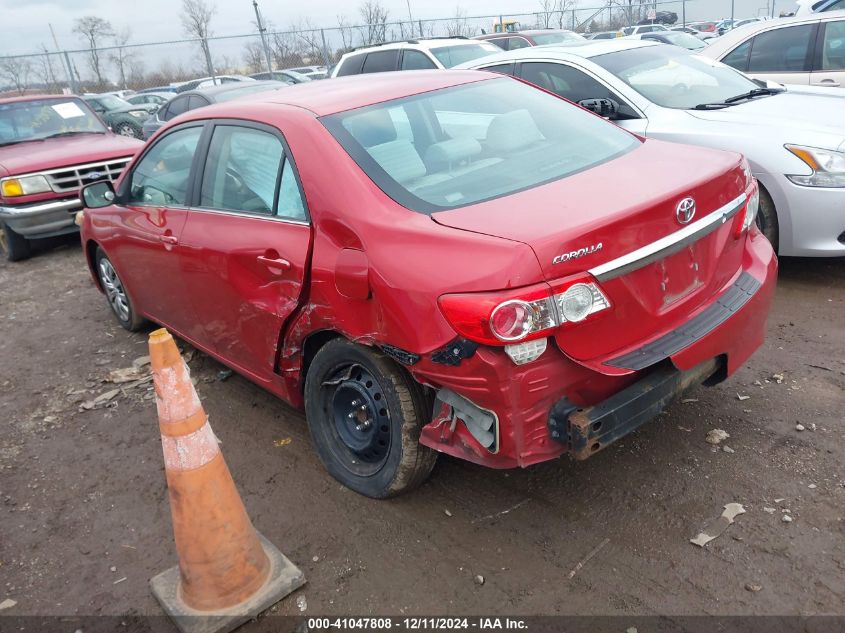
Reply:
x=85, y=517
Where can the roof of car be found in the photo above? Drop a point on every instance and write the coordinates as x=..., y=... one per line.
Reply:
x=213, y=91
x=735, y=36
x=421, y=43
x=586, y=49
x=36, y=97
x=356, y=91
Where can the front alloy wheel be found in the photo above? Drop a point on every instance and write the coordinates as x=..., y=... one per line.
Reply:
x=126, y=129
x=116, y=293
x=365, y=414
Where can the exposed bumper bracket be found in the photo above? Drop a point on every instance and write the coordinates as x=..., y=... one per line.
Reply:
x=589, y=430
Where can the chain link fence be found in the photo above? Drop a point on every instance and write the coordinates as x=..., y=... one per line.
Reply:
x=161, y=64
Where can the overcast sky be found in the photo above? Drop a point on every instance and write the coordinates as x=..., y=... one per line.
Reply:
x=25, y=22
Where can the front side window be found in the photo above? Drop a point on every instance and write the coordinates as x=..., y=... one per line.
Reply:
x=572, y=84
x=781, y=50
x=381, y=61
x=241, y=170
x=738, y=57
x=675, y=78
x=451, y=56
x=176, y=107
x=415, y=60
x=833, y=49
x=474, y=142
x=161, y=177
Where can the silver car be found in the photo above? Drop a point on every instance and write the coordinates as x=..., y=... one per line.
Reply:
x=794, y=140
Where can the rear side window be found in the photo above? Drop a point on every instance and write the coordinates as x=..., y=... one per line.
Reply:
x=415, y=60
x=381, y=61
x=504, y=69
x=517, y=42
x=501, y=42
x=833, y=47
x=473, y=142
x=351, y=65
x=195, y=101
x=177, y=106
x=161, y=177
x=241, y=170
x=781, y=50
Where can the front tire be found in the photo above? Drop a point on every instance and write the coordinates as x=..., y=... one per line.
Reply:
x=767, y=219
x=365, y=414
x=116, y=294
x=14, y=246
x=127, y=129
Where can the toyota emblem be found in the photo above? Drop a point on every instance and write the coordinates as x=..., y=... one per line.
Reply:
x=685, y=210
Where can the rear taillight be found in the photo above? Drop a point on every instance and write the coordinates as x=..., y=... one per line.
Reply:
x=509, y=316
x=746, y=216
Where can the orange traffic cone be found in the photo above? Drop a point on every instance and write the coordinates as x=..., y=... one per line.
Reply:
x=227, y=573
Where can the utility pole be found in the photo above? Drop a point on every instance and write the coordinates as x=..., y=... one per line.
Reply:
x=411, y=18
x=261, y=31
x=68, y=70
x=732, y=11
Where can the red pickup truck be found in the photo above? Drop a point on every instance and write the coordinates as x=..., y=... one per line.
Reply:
x=49, y=147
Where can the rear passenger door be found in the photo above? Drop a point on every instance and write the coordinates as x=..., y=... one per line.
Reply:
x=381, y=61
x=246, y=243
x=829, y=66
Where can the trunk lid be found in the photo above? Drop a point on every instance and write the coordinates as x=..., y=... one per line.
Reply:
x=587, y=220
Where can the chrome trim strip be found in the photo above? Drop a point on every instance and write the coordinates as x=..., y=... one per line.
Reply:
x=35, y=209
x=247, y=214
x=668, y=245
x=101, y=163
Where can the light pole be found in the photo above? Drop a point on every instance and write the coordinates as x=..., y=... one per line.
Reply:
x=261, y=31
x=732, y=11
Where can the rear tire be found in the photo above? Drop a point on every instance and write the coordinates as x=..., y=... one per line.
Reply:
x=15, y=246
x=365, y=414
x=116, y=293
x=767, y=218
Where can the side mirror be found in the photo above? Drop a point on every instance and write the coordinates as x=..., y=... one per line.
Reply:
x=606, y=108
x=98, y=194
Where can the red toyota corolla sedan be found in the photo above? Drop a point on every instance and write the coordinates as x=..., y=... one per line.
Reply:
x=438, y=261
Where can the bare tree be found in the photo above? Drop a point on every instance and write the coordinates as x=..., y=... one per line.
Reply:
x=631, y=10
x=308, y=41
x=93, y=30
x=16, y=70
x=196, y=22
x=120, y=57
x=45, y=69
x=547, y=10
x=458, y=26
x=347, y=35
x=562, y=8
x=284, y=49
x=254, y=57
x=374, y=17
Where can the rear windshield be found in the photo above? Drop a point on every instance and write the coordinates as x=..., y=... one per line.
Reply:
x=43, y=118
x=555, y=38
x=451, y=56
x=457, y=146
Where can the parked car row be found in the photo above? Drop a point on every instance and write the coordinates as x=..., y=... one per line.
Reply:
x=579, y=255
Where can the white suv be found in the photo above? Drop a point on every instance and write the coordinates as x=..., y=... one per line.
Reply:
x=643, y=28
x=419, y=54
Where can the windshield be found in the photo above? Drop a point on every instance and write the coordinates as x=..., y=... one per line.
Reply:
x=458, y=146
x=451, y=56
x=556, y=38
x=110, y=102
x=675, y=78
x=40, y=118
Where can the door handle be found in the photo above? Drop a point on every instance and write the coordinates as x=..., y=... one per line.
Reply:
x=274, y=262
x=168, y=239
x=829, y=82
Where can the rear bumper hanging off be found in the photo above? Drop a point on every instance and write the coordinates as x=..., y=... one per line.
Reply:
x=589, y=430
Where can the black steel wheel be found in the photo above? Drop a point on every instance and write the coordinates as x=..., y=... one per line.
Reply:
x=365, y=414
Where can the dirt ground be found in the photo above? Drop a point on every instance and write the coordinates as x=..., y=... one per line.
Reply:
x=84, y=516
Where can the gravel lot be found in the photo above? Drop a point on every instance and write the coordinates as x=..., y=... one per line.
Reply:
x=85, y=518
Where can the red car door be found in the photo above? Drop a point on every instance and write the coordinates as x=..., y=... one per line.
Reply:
x=247, y=245
x=145, y=244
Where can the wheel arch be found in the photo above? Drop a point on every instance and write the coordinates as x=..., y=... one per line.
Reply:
x=310, y=346
x=91, y=259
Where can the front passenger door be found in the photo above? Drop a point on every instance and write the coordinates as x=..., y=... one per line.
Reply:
x=247, y=246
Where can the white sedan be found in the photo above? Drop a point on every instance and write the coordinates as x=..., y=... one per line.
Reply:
x=794, y=141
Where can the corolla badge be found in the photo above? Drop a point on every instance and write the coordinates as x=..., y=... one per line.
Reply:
x=685, y=211
x=565, y=257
